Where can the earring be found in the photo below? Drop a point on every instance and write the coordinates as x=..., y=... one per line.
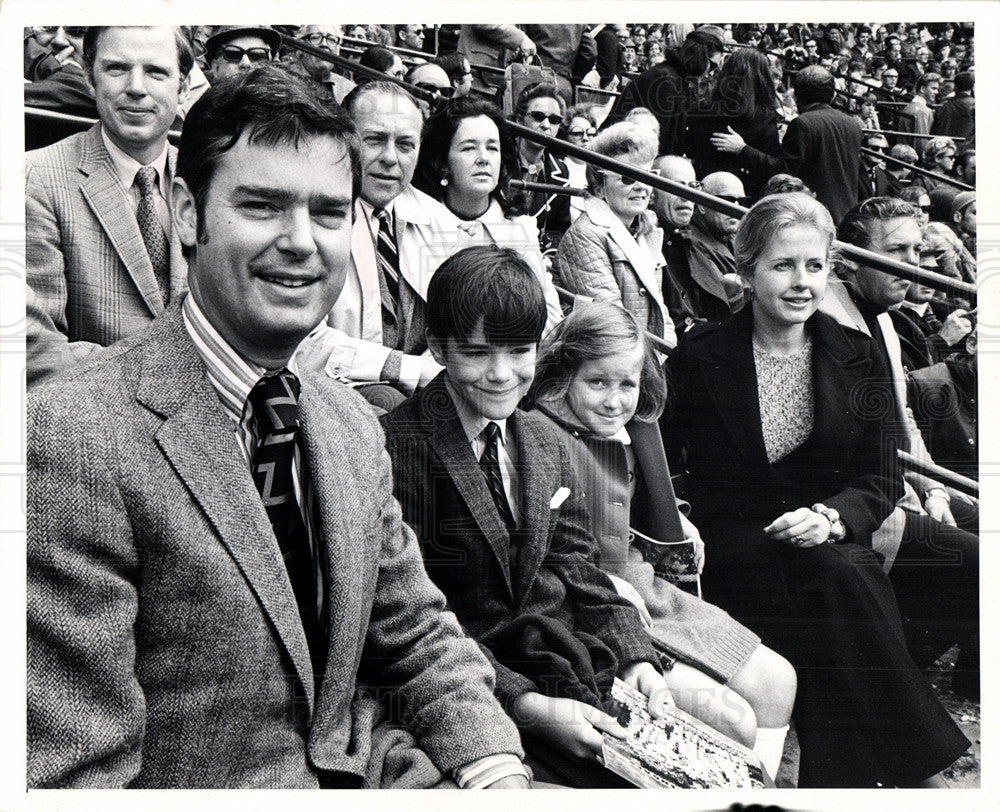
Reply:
x=444, y=181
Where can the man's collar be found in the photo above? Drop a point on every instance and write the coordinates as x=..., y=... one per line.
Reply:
x=126, y=166
x=369, y=209
x=232, y=376
x=919, y=309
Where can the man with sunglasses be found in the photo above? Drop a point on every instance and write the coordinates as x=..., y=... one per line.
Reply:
x=873, y=180
x=432, y=78
x=102, y=257
x=711, y=261
x=686, y=302
x=237, y=48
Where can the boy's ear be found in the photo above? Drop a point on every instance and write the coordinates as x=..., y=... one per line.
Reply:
x=438, y=348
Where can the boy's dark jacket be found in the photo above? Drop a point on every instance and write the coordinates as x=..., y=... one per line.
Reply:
x=543, y=611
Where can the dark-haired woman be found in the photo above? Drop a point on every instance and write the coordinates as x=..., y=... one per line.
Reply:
x=790, y=470
x=467, y=155
x=744, y=101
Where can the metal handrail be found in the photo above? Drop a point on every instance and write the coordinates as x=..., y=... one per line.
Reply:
x=938, y=472
x=869, y=258
x=954, y=138
x=356, y=67
x=906, y=460
x=927, y=173
x=547, y=188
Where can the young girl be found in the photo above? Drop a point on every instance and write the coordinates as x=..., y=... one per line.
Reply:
x=597, y=379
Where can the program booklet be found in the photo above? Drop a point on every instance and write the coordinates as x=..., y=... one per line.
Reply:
x=676, y=751
x=672, y=560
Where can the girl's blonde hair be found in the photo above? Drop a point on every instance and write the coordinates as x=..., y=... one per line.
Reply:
x=595, y=330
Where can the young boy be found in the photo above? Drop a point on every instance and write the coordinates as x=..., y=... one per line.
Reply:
x=502, y=526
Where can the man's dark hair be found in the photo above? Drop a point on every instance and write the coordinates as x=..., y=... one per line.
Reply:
x=377, y=57
x=964, y=82
x=813, y=84
x=857, y=226
x=185, y=56
x=490, y=286
x=271, y=106
x=453, y=64
x=693, y=54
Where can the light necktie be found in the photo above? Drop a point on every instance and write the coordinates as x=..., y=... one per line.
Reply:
x=151, y=230
x=489, y=462
x=276, y=416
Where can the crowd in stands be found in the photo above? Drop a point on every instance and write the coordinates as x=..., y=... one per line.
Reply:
x=319, y=240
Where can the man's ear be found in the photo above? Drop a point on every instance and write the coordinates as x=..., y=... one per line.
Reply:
x=182, y=92
x=438, y=349
x=184, y=212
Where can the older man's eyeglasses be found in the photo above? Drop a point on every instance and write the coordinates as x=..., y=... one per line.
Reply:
x=319, y=40
x=233, y=53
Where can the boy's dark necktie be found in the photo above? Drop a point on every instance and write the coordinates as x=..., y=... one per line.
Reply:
x=275, y=400
x=489, y=462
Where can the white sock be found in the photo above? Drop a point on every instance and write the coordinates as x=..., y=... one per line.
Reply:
x=769, y=746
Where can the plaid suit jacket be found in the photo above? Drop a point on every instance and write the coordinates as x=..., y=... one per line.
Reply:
x=91, y=279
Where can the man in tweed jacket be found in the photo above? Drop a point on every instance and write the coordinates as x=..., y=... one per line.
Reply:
x=166, y=646
x=90, y=277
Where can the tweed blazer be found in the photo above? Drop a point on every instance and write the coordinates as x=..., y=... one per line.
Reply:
x=599, y=257
x=535, y=600
x=86, y=261
x=165, y=648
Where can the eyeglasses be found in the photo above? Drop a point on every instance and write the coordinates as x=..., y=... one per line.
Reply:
x=576, y=132
x=739, y=201
x=444, y=92
x=320, y=40
x=555, y=119
x=233, y=53
x=71, y=30
x=925, y=209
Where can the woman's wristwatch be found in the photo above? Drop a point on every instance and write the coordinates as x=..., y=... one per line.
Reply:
x=838, y=532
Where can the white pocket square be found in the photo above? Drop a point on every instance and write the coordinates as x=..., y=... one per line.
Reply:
x=559, y=497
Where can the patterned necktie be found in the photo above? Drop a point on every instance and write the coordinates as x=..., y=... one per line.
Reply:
x=932, y=324
x=388, y=259
x=151, y=230
x=275, y=401
x=489, y=462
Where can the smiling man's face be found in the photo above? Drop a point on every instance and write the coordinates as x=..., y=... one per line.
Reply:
x=137, y=88
x=271, y=255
